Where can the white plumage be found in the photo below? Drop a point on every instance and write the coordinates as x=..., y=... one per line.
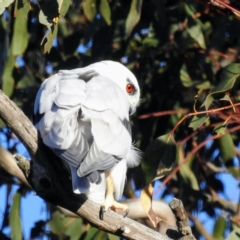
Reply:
x=83, y=116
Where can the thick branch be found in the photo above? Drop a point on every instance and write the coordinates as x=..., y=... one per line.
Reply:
x=50, y=179
x=182, y=219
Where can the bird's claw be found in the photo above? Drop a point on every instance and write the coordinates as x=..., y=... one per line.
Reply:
x=102, y=211
x=126, y=213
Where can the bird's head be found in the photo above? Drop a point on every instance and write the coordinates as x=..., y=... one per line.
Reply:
x=125, y=79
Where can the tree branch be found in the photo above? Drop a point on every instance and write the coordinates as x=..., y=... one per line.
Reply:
x=182, y=220
x=50, y=179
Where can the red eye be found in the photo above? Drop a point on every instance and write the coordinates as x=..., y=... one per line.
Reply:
x=129, y=88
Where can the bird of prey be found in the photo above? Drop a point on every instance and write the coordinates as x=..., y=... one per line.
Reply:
x=83, y=116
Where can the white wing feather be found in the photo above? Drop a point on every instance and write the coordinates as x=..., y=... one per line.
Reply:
x=84, y=117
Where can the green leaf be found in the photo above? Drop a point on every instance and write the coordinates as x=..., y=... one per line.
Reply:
x=226, y=98
x=113, y=237
x=226, y=147
x=49, y=13
x=185, y=77
x=65, y=226
x=3, y=45
x=89, y=8
x=22, y=5
x=159, y=158
x=64, y=7
x=2, y=124
x=196, y=33
x=186, y=171
x=150, y=42
x=49, y=38
x=198, y=121
x=234, y=235
x=43, y=19
x=203, y=85
x=234, y=171
x=95, y=234
x=220, y=129
x=219, y=228
x=105, y=11
x=8, y=81
x=4, y=4
x=74, y=228
x=133, y=16
x=20, y=31
x=26, y=81
x=228, y=77
x=14, y=219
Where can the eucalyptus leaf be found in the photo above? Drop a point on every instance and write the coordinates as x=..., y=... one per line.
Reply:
x=4, y=4
x=195, y=32
x=65, y=226
x=198, y=121
x=20, y=31
x=2, y=124
x=23, y=6
x=43, y=19
x=220, y=129
x=89, y=8
x=49, y=38
x=14, y=219
x=159, y=158
x=226, y=147
x=95, y=234
x=234, y=235
x=226, y=98
x=49, y=13
x=64, y=6
x=234, y=171
x=133, y=16
x=113, y=237
x=150, y=42
x=186, y=170
x=105, y=11
x=219, y=228
x=228, y=78
x=8, y=80
x=185, y=77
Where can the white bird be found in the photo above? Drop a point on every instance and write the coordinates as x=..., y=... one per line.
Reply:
x=83, y=116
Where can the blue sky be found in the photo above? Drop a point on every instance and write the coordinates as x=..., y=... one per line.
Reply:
x=33, y=208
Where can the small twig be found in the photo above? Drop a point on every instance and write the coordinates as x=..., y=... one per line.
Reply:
x=164, y=113
x=212, y=111
x=226, y=6
x=215, y=169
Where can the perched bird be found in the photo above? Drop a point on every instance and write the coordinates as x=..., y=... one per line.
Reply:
x=83, y=116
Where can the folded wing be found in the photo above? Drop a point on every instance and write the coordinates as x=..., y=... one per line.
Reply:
x=84, y=119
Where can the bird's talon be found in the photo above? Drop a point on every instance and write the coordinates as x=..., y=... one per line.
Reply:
x=127, y=212
x=101, y=213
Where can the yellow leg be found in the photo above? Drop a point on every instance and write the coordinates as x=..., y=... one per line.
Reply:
x=109, y=199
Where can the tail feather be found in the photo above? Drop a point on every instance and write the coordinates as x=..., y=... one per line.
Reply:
x=79, y=184
x=133, y=157
x=118, y=173
x=94, y=191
